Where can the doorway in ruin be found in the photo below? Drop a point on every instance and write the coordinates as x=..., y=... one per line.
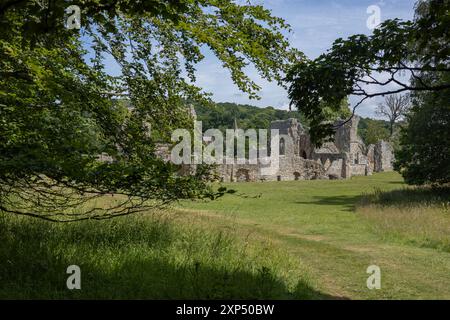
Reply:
x=242, y=175
x=296, y=175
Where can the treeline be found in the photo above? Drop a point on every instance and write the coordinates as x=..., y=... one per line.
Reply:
x=373, y=130
x=223, y=115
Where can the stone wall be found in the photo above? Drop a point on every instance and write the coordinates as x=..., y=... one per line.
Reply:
x=334, y=171
x=383, y=157
x=358, y=170
x=299, y=160
x=239, y=172
x=297, y=168
x=290, y=168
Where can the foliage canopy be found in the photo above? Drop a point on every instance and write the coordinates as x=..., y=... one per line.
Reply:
x=60, y=108
x=424, y=156
x=375, y=65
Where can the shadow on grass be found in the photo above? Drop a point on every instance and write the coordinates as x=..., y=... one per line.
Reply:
x=347, y=203
x=406, y=197
x=127, y=259
x=409, y=197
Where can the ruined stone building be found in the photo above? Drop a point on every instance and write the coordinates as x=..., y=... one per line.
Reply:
x=347, y=156
x=298, y=159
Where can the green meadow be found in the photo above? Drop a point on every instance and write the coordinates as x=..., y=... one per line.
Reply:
x=271, y=240
x=338, y=228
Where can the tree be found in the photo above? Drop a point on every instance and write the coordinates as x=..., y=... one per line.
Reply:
x=60, y=108
x=223, y=114
x=371, y=66
x=373, y=132
x=424, y=156
x=394, y=109
x=343, y=112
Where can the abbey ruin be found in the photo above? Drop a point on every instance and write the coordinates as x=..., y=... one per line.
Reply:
x=347, y=156
x=298, y=159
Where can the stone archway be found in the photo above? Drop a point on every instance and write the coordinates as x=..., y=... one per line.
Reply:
x=297, y=175
x=242, y=175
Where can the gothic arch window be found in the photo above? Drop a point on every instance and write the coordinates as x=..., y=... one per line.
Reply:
x=282, y=147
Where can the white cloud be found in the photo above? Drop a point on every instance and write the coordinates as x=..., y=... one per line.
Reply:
x=316, y=24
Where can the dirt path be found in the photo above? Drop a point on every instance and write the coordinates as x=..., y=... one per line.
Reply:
x=339, y=267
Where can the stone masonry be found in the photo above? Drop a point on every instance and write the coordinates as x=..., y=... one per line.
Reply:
x=347, y=156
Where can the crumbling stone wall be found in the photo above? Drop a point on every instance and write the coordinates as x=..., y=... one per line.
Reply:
x=347, y=156
x=383, y=157
x=290, y=168
x=300, y=160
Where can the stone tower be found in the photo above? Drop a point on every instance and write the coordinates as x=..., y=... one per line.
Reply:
x=290, y=131
x=348, y=141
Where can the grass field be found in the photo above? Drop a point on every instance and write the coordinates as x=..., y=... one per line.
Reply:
x=142, y=257
x=281, y=240
x=336, y=229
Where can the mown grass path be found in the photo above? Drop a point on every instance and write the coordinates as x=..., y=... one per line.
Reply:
x=316, y=222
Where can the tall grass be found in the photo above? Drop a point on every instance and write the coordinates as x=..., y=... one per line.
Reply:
x=141, y=257
x=417, y=215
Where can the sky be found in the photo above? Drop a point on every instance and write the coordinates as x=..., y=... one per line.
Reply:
x=316, y=24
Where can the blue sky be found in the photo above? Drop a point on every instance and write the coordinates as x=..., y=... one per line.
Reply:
x=316, y=24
